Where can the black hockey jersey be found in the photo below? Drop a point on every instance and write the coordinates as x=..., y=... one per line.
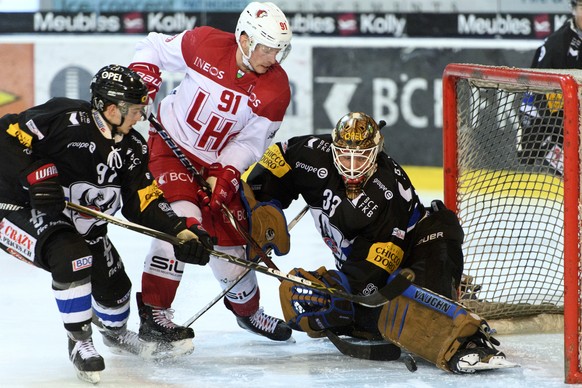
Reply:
x=96, y=169
x=560, y=50
x=370, y=235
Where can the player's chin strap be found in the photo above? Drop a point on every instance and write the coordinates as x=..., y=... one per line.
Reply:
x=99, y=115
x=246, y=58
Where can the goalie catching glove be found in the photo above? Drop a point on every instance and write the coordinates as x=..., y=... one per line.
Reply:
x=196, y=243
x=313, y=311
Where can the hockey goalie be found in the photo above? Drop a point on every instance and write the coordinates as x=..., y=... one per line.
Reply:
x=382, y=237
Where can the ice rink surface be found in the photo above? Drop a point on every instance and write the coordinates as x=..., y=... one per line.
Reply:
x=34, y=347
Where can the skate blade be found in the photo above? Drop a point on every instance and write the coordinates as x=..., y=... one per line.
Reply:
x=166, y=350
x=494, y=363
x=89, y=377
x=146, y=350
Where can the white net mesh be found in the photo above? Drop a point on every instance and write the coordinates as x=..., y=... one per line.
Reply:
x=510, y=198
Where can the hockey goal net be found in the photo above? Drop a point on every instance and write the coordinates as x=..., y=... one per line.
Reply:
x=512, y=174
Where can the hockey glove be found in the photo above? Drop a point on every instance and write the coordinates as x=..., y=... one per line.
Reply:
x=197, y=242
x=45, y=191
x=151, y=75
x=225, y=182
x=312, y=311
x=267, y=224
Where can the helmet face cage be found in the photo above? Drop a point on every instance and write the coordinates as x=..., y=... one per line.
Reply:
x=266, y=24
x=356, y=141
x=353, y=164
x=118, y=85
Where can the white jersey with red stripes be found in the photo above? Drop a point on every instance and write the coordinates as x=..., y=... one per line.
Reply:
x=217, y=113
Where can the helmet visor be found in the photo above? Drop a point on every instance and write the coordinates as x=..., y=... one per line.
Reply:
x=279, y=52
x=134, y=111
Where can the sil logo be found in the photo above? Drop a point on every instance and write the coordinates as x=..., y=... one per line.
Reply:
x=167, y=265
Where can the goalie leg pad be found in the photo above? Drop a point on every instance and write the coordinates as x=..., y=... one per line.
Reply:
x=313, y=311
x=267, y=225
x=427, y=324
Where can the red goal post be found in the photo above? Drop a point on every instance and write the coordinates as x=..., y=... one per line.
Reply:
x=512, y=170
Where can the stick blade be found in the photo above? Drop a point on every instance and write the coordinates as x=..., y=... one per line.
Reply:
x=375, y=352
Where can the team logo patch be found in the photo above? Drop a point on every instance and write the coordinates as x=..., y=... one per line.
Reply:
x=385, y=255
x=273, y=161
x=24, y=138
x=148, y=194
x=332, y=245
x=82, y=263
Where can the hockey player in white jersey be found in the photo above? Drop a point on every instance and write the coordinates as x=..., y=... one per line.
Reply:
x=222, y=117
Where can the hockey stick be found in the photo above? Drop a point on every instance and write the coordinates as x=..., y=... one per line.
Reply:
x=218, y=297
x=375, y=299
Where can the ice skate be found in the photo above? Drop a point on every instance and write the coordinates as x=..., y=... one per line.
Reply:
x=127, y=342
x=265, y=325
x=156, y=326
x=479, y=359
x=87, y=362
x=478, y=353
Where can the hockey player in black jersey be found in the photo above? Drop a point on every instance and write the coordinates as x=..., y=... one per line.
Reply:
x=560, y=49
x=370, y=216
x=541, y=138
x=87, y=154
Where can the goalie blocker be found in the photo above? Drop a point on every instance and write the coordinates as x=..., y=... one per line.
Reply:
x=267, y=225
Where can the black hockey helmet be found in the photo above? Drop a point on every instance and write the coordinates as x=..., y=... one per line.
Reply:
x=116, y=84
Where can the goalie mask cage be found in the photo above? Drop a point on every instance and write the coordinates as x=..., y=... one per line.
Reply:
x=512, y=174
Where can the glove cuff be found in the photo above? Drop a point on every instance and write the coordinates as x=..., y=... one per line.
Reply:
x=40, y=171
x=191, y=221
x=227, y=173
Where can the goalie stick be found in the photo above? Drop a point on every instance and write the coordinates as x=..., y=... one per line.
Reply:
x=375, y=299
x=218, y=297
x=367, y=351
x=381, y=351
